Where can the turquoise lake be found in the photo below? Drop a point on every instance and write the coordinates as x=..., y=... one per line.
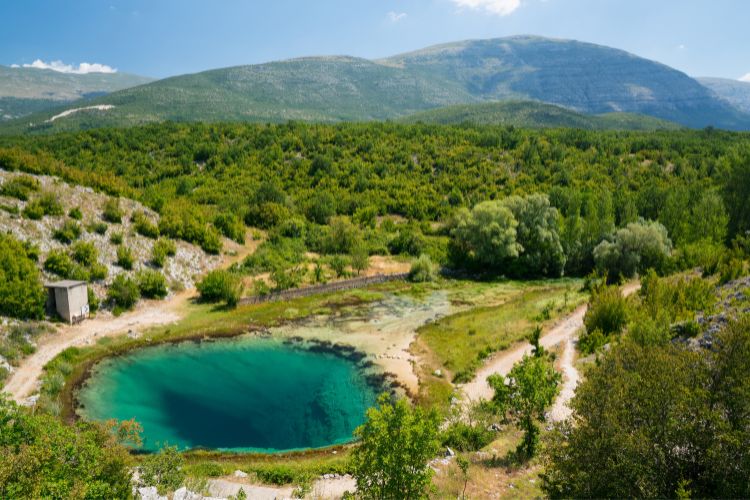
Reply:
x=244, y=394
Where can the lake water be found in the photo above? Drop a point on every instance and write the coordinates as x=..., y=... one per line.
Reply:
x=245, y=394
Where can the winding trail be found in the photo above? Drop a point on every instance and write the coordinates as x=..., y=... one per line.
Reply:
x=25, y=378
x=563, y=332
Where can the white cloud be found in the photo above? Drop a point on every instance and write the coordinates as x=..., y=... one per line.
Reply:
x=497, y=7
x=745, y=78
x=15, y=66
x=81, y=69
x=395, y=17
x=681, y=46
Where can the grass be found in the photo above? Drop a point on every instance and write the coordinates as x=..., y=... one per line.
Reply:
x=460, y=342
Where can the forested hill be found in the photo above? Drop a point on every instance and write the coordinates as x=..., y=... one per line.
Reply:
x=529, y=114
x=28, y=90
x=584, y=77
x=198, y=175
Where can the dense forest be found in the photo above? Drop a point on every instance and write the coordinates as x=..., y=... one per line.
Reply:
x=325, y=188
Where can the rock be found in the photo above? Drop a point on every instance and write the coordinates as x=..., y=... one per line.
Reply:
x=438, y=373
x=449, y=452
x=185, y=494
x=150, y=493
x=239, y=473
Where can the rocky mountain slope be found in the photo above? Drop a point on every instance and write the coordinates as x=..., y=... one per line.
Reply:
x=584, y=77
x=735, y=92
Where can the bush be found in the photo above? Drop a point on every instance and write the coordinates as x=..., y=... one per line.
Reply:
x=162, y=249
x=85, y=253
x=125, y=257
x=152, y=284
x=93, y=300
x=46, y=204
x=221, y=285
x=634, y=249
x=164, y=470
x=608, y=312
x=144, y=226
x=409, y=240
x=21, y=292
x=230, y=226
x=123, y=293
x=20, y=187
x=69, y=232
x=116, y=238
x=462, y=436
x=98, y=228
x=422, y=270
x=211, y=241
x=75, y=213
x=112, y=212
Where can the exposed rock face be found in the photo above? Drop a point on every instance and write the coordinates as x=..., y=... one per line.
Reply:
x=181, y=270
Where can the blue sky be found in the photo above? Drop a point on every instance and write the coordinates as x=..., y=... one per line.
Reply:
x=167, y=37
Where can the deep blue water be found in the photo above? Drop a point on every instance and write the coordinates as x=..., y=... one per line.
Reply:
x=243, y=394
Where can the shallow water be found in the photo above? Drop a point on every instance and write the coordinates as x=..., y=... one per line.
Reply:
x=245, y=394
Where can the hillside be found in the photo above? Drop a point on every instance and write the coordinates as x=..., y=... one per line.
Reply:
x=735, y=92
x=29, y=90
x=584, y=77
x=529, y=114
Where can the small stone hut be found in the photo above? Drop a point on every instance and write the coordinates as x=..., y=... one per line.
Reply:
x=69, y=299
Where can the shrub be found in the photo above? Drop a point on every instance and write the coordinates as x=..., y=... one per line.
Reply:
x=409, y=240
x=221, y=285
x=93, y=300
x=152, y=284
x=231, y=226
x=211, y=241
x=123, y=293
x=144, y=226
x=85, y=253
x=116, y=238
x=608, y=311
x=98, y=227
x=21, y=292
x=162, y=249
x=20, y=187
x=422, y=270
x=125, y=257
x=112, y=212
x=46, y=204
x=69, y=232
x=287, y=278
x=61, y=264
x=164, y=470
x=339, y=264
x=634, y=249
x=75, y=213
x=462, y=436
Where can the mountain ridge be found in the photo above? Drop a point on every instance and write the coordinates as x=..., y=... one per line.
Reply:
x=587, y=78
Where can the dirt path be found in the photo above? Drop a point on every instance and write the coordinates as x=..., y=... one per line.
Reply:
x=25, y=378
x=324, y=488
x=563, y=332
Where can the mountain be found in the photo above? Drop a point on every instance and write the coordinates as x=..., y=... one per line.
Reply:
x=735, y=92
x=530, y=114
x=586, y=78
x=29, y=90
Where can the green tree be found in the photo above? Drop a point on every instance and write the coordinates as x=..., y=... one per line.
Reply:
x=42, y=457
x=736, y=193
x=485, y=236
x=152, y=284
x=635, y=248
x=123, y=293
x=221, y=286
x=164, y=470
x=538, y=234
x=532, y=385
x=396, y=443
x=21, y=292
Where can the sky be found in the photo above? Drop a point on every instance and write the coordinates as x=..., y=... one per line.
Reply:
x=161, y=38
